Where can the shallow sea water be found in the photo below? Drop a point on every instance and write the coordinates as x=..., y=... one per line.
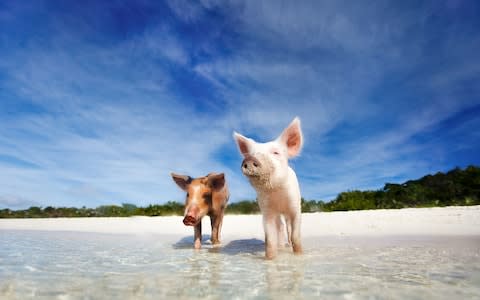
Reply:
x=71, y=265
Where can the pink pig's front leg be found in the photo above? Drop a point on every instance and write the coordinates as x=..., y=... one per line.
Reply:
x=281, y=233
x=296, y=240
x=271, y=236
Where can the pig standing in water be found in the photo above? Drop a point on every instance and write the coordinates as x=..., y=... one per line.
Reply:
x=278, y=193
x=205, y=196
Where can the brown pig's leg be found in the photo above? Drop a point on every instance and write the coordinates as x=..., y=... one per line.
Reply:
x=216, y=222
x=198, y=236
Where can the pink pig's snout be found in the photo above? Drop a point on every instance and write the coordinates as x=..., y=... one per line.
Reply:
x=191, y=218
x=250, y=165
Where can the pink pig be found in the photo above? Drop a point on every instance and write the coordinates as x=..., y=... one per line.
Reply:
x=278, y=193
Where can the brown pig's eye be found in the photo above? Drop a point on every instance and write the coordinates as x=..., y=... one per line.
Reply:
x=207, y=196
x=276, y=152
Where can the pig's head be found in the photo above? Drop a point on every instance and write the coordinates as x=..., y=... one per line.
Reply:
x=199, y=194
x=266, y=164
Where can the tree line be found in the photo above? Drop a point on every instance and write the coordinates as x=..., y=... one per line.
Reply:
x=456, y=187
x=170, y=208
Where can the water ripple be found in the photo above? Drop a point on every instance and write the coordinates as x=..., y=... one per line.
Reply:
x=49, y=265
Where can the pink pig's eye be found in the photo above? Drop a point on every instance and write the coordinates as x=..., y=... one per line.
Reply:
x=276, y=152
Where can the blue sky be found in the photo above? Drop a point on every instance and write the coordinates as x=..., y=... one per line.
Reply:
x=101, y=100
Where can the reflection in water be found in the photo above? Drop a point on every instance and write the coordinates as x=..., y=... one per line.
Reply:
x=78, y=265
x=285, y=276
x=200, y=277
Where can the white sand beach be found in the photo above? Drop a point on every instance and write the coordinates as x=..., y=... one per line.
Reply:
x=411, y=221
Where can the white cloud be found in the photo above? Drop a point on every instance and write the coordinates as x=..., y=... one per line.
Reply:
x=94, y=149
x=186, y=10
x=112, y=128
x=129, y=159
x=162, y=42
x=16, y=202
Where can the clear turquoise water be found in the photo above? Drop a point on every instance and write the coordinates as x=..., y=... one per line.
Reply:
x=69, y=265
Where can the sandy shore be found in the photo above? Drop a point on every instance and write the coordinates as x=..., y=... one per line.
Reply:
x=414, y=221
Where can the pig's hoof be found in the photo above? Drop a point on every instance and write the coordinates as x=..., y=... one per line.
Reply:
x=197, y=245
x=217, y=245
x=297, y=251
x=269, y=256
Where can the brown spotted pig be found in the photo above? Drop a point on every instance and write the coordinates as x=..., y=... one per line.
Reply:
x=206, y=195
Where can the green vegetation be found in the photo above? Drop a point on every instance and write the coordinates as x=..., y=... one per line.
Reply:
x=243, y=207
x=126, y=210
x=456, y=187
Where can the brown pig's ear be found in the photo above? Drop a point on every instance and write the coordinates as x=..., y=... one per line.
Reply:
x=216, y=180
x=182, y=180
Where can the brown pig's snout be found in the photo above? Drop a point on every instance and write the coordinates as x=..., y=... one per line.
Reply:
x=191, y=217
x=250, y=163
x=189, y=220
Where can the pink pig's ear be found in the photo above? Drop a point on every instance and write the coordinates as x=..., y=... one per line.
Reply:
x=181, y=180
x=292, y=137
x=244, y=144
